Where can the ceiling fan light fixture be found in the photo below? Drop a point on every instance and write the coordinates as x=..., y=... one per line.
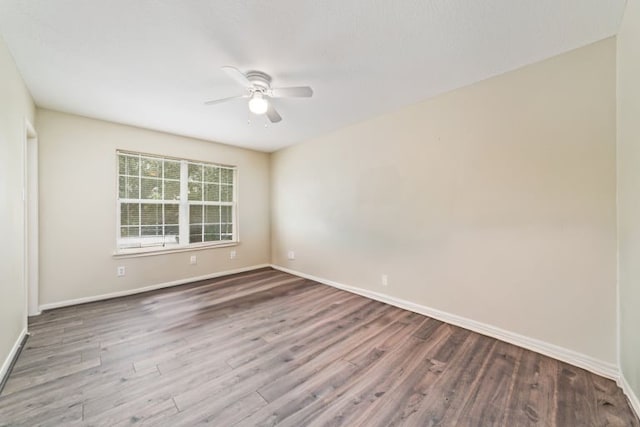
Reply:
x=259, y=91
x=258, y=104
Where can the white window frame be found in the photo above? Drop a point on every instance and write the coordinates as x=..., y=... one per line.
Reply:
x=183, y=215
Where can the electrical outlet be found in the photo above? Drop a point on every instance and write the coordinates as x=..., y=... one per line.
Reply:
x=120, y=271
x=291, y=255
x=385, y=280
x=193, y=260
x=232, y=255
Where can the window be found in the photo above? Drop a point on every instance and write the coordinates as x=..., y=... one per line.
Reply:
x=172, y=203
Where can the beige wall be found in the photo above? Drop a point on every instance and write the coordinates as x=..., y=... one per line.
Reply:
x=495, y=202
x=629, y=194
x=15, y=106
x=78, y=208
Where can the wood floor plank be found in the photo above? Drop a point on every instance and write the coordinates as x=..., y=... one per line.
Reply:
x=278, y=359
x=49, y=375
x=458, y=364
x=303, y=395
x=361, y=337
x=266, y=348
x=152, y=409
x=61, y=415
x=609, y=403
x=149, y=416
x=533, y=400
x=388, y=396
x=488, y=405
x=348, y=398
x=152, y=389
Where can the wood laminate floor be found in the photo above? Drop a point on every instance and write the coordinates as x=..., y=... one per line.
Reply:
x=265, y=348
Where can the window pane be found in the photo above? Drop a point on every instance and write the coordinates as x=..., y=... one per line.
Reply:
x=128, y=187
x=195, y=191
x=133, y=166
x=122, y=164
x=153, y=230
x=129, y=214
x=171, y=169
x=225, y=212
x=152, y=168
x=211, y=192
x=226, y=176
x=172, y=190
x=227, y=193
x=226, y=237
x=212, y=214
x=151, y=189
x=172, y=230
x=195, y=214
x=171, y=214
x=212, y=229
x=195, y=233
x=211, y=237
x=195, y=173
x=151, y=214
x=122, y=187
x=212, y=174
x=129, y=231
x=133, y=188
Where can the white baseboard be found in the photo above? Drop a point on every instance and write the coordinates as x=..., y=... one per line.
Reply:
x=628, y=391
x=599, y=367
x=147, y=288
x=12, y=354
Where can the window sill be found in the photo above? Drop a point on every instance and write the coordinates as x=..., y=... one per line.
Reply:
x=151, y=251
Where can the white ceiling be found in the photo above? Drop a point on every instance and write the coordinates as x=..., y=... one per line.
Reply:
x=152, y=63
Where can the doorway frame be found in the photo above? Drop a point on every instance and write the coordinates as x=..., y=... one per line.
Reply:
x=31, y=220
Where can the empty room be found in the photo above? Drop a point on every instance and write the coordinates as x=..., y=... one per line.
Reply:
x=320, y=213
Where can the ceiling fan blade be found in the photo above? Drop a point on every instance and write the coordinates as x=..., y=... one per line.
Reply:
x=237, y=75
x=292, y=92
x=272, y=114
x=219, y=101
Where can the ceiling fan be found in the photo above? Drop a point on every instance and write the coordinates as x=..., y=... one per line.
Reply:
x=259, y=91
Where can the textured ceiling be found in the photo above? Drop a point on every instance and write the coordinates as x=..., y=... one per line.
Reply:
x=152, y=63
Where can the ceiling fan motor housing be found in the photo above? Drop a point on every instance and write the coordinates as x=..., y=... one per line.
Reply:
x=260, y=80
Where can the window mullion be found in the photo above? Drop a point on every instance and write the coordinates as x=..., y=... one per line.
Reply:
x=234, y=219
x=183, y=213
x=139, y=195
x=202, y=191
x=164, y=222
